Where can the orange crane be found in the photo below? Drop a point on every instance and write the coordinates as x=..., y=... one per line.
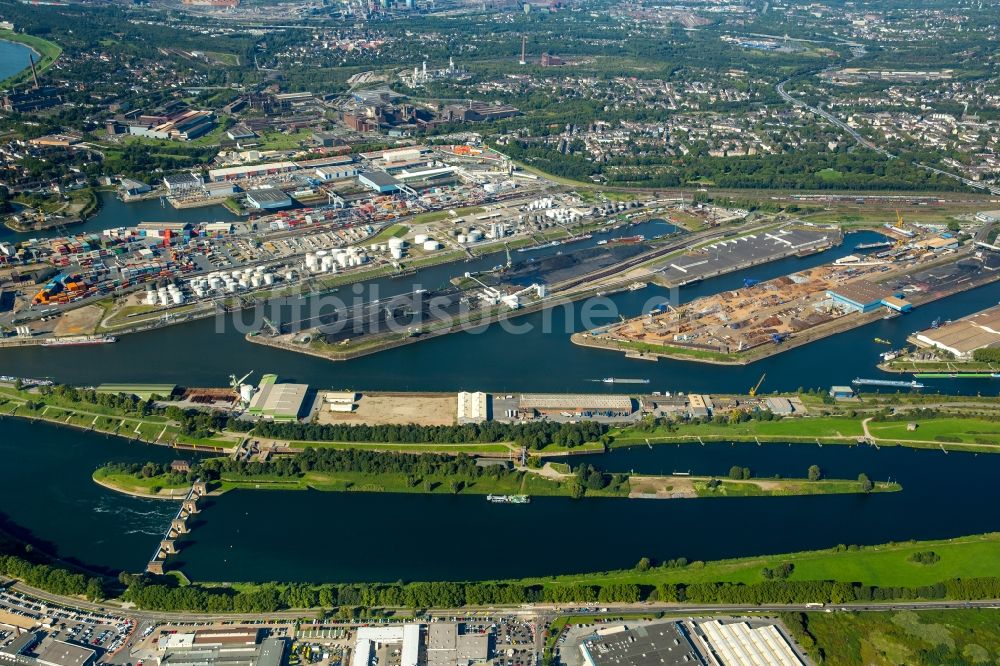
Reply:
x=753, y=391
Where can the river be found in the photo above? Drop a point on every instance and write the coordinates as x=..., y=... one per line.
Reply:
x=14, y=58
x=313, y=536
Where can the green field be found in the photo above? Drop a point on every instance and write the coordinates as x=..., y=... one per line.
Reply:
x=966, y=430
x=885, y=565
x=789, y=429
x=963, y=636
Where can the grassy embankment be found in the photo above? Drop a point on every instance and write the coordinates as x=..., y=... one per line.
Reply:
x=47, y=53
x=953, y=433
x=884, y=565
x=86, y=416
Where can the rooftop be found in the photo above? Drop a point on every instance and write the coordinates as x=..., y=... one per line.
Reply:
x=652, y=645
x=60, y=653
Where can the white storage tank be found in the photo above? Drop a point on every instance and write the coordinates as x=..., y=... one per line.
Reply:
x=396, y=242
x=462, y=238
x=431, y=245
x=311, y=261
x=420, y=239
x=178, y=297
x=268, y=279
x=396, y=253
x=151, y=297
x=475, y=236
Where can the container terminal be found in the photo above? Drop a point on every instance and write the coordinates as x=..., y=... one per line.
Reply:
x=762, y=319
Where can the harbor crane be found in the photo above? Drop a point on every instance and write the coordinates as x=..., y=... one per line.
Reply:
x=753, y=390
x=236, y=383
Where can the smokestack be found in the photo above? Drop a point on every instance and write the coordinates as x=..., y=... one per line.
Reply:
x=524, y=42
x=34, y=74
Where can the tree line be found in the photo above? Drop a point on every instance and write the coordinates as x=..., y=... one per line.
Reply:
x=534, y=435
x=52, y=579
x=271, y=597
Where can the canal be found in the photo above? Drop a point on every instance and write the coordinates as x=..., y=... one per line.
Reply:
x=206, y=352
x=313, y=536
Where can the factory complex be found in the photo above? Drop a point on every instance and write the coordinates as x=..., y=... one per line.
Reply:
x=274, y=400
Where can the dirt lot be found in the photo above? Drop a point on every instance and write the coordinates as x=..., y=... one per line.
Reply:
x=382, y=408
x=82, y=321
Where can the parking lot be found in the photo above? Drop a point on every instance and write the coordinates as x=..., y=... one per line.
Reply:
x=108, y=635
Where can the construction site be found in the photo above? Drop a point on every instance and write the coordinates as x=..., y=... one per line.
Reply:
x=762, y=319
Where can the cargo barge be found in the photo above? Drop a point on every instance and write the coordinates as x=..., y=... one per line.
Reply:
x=508, y=499
x=80, y=340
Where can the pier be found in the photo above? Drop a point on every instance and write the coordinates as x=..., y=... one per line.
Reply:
x=178, y=526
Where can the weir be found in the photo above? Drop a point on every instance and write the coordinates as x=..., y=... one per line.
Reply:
x=178, y=526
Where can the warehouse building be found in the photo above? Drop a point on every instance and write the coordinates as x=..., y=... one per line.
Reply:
x=181, y=182
x=449, y=645
x=664, y=644
x=866, y=296
x=963, y=337
x=268, y=198
x=337, y=172
x=473, y=407
x=19, y=647
x=581, y=404
x=743, y=644
x=61, y=653
x=278, y=402
x=268, y=653
x=252, y=171
x=371, y=643
x=378, y=181
x=340, y=401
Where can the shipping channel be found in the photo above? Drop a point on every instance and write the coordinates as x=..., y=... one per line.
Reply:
x=314, y=536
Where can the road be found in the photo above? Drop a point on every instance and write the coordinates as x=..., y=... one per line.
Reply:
x=540, y=611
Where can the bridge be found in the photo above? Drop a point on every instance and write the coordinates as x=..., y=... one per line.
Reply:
x=178, y=526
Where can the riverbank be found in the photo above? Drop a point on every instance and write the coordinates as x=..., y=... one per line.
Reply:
x=46, y=51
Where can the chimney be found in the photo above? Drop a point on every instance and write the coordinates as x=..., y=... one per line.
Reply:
x=34, y=74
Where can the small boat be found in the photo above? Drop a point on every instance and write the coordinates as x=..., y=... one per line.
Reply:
x=883, y=341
